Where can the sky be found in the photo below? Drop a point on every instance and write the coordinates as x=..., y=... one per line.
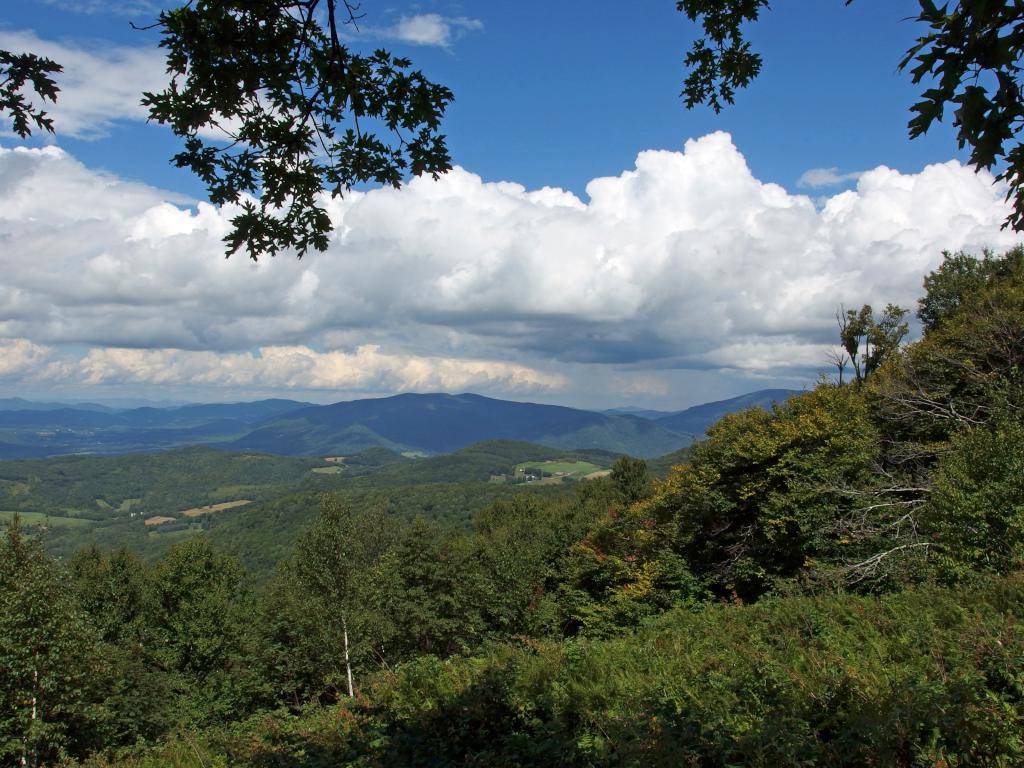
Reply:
x=596, y=245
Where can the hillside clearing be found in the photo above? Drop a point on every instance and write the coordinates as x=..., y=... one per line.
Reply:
x=335, y=470
x=211, y=508
x=555, y=471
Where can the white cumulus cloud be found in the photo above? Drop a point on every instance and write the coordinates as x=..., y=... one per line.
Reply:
x=429, y=29
x=20, y=358
x=685, y=262
x=299, y=367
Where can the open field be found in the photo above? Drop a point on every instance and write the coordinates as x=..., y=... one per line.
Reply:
x=124, y=507
x=159, y=520
x=41, y=518
x=211, y=508
x=577, y=470
x=335, y=470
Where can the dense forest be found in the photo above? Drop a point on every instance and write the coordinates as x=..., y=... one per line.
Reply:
x=836, y=581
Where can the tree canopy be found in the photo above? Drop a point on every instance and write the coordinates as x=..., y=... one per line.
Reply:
x=297, y=111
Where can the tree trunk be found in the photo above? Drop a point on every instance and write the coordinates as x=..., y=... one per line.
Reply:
x=35, y=688
x=348, y=664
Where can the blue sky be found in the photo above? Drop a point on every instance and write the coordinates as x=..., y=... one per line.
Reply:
x=598, y=244
x=557, y=93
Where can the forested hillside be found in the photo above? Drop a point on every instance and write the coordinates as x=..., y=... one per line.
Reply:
x=444, y=423
x=697, y=419
x=254, y=505
x=835, y=581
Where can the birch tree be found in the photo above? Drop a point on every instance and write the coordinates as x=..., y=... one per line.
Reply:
x=48, y=670
x=334, y=560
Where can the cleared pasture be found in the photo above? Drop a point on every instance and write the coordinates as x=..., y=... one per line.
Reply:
x=335, y=470
x=577, y=470
x=210, y=509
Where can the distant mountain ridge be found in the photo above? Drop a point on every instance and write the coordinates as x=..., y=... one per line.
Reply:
x=38, y=430
x=419, y=424
x=643, y=413
x=442, y=423
x=21, y=404
x=698, y=418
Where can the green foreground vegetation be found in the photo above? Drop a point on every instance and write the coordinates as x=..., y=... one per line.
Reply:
x=837, y=582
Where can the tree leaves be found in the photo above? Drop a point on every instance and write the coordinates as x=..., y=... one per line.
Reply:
x=298, y=114
x=722, y=62
x=18, y=70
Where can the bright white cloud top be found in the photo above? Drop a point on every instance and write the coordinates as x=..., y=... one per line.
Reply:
x=687, y=262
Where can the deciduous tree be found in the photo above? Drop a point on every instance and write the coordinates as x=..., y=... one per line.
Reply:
x=977, y=509
x=275, y=110
x=868, y=342
x=49, y=671
x=334, y=559
x=299, y=113
x=767, y=496
x=200, y=632
x=20, y=75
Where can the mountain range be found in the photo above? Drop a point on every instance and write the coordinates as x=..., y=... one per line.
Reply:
x=413, y=424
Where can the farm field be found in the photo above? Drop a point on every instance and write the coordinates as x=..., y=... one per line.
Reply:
x=41, y=518
x=576, y=470
x=209, y=509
